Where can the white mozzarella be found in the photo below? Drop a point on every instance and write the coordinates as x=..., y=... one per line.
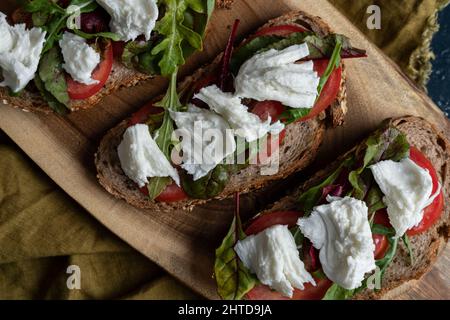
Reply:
x=20, y=52
x=245, y=124
x=131, y=18
x=273, y=256
x=80, y=59
x=407, y=190
x=275, y=75
x=341, y=231
x=141, y=158
x=206, y=140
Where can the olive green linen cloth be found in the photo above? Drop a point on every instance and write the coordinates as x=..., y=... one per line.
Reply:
x=43, y=231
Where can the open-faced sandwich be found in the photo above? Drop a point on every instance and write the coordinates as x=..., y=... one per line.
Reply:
x=66, y=55
x=360, y=228
x=268, y=98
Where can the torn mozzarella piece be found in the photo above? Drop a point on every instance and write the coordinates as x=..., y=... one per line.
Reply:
x=275, y=75
x=20, y=53
x=80, y=59
x=207, y=139
x=273, y=256
x=245, y=124
x=407, y=190
x=141, y=158
x=131, y=18
x=341, y=232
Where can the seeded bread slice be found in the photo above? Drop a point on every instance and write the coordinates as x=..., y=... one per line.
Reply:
x=426, y=246
x=121, y=76
x=298, y=150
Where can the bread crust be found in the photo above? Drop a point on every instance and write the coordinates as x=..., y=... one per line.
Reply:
x=295, y=153
x=426, y=246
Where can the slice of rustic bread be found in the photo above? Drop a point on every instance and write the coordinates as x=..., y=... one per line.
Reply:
x=426, y=246
x=298, y=150
x=121, y=76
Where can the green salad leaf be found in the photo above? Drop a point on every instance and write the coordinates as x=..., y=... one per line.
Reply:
x=233, y=279
x=51, y=81
x=209, y=186
x=53, y=18
x=88, y=36
x=385, y=144
x=308, y=200
x=52, y=74
x=164, y=133
x=56, y=106
x=335, y=61
x=291, y=115
x=137, y=55
x=408, y=246
x=176, y=34
x=336, y=292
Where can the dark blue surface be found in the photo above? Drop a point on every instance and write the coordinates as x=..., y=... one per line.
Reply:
x=439, y=85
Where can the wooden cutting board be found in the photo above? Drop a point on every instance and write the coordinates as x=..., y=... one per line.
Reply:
x=183, y=242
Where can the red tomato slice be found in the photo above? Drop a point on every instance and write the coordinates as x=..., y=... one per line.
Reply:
x=433, y=212
x=171, y=193
x=264, y=109
x=381, y=242
x=262, y=292
x=268, y=220
x=79, y=91
x=283, y=30
x=329, y=91
x=381, y=245
x=142, y=114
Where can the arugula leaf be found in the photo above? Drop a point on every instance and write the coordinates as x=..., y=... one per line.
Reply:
x=233, y=279
x=107, y=35
x=383, y=230
x=44, y=6
x=53, y=18
x=291, y=115
x=175, y=33
x=308, y=200
x=408, y=246
x=334, y=63
x=52, y=75
x=163, y=138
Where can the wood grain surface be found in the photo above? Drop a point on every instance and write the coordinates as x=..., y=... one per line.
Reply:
x=183, y=243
